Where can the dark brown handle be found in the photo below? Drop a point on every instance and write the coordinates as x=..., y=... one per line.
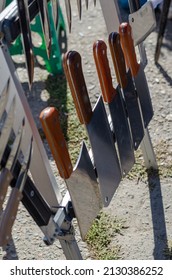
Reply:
x=75, y=78
x=5, y=180
x=9, y=216
x=118, y=58
x=103, y=70
x=128, y=48
x=49, y=118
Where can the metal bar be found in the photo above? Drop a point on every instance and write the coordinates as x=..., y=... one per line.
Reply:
x=112, y=18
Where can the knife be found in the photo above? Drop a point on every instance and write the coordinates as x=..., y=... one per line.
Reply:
x=68, y=13
x=43, y=9
x=6, y=175
x=81, y=181
x=126, y=83
x=26, y=37
x=79, y=5
x=10, y=211
x=137, y=72
x=96, y=122
x=117, y=110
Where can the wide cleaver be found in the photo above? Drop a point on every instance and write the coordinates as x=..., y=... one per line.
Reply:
x=7, y=172
x=81, y=181
x=126, y=83
x=117, y=110
x=137, y=72
x=105, y=156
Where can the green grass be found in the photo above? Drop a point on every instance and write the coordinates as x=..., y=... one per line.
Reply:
x=100, y=236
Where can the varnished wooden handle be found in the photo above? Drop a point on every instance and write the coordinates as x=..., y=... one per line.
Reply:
x=76, y=81
x=103, y=70
x=5, y=180
x=128, y=48
x=49, y=118
x=118, y=58
x=9, y=216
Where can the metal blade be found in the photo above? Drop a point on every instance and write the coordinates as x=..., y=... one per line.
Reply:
x=104, y=153
x=4, y=98
x=55, y=7
x=26, y=37
x=43, y=9
x=2, y=5
x=86, y=3
x=68, y=13
x=6, y=130
x=84, y=191
x=79, y=4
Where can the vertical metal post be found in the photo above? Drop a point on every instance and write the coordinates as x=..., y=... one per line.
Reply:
x=112, y=18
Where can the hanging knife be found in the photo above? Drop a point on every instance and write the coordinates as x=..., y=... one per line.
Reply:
x=97, y=125
x=43, y=9
x=137, y=72
x=126, y=83
x=68, y=13
x=81, y=180
x=6, y=175
x=26, y=37
x=79, y=4
x=115, y=102
x=10, y=212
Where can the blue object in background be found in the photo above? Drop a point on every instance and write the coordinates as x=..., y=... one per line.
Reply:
x=124, y=3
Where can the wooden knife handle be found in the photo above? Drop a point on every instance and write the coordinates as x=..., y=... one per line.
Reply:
x=5, y=180
x=49, y=118
x=128, y=48
x=9, y=216
x=103, y=70
x=76, y=81
x=118, y=58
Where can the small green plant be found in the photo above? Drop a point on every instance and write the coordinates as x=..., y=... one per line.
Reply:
x=100, y=236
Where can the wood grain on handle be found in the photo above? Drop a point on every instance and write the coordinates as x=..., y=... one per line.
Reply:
x=78, y=88
x=9, y=216
x=103, y=70
x=118, y=58
x=68, y=78
x=49, y=118
x=128, y=48
x=5, y=180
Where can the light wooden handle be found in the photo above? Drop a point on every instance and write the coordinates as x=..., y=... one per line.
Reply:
x=128, y=48
x=49, y=118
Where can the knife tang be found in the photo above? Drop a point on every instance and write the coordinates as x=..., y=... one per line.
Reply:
x=103, y=70
x=9, y=216
x=118, y=59
x=49, y=118
x=128, y=48
x=76, y=80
